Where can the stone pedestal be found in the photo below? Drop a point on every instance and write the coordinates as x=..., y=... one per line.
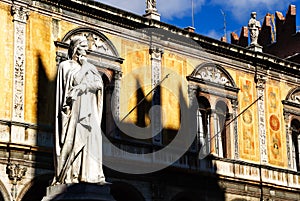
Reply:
x=80, y=191
x=152, y=14
x=256, y=48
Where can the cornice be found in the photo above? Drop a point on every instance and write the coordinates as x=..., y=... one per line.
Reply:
x=129, y=20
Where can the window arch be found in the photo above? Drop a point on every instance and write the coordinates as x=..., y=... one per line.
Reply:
x=216, y=90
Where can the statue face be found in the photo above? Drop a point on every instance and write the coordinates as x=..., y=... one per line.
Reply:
x=82, y=48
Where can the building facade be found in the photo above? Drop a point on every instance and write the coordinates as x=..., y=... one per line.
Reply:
x=229, y=123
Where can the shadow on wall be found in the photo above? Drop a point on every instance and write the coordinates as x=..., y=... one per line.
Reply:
x=188, y=179
x=189, y=185
x=43, y=158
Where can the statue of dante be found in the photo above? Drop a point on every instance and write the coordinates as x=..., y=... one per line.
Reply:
x=151, y=5
x=253, y=26
x=78, y=139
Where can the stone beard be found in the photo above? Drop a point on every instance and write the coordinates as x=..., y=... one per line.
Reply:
x=79, y=105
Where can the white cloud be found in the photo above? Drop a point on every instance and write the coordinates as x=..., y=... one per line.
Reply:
x=178, y=8
x=167, y=8
x=213, y=34
x=241, y=9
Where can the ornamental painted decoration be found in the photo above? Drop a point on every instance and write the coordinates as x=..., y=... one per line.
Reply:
x=274, y=122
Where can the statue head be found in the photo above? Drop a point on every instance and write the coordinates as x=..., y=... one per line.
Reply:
x=253, y=14
x=78, y=46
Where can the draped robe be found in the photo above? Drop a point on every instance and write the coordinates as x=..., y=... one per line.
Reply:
x=78, y=137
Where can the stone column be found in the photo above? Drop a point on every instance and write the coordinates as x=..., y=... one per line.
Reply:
x=235, y=129
x=289, y=131
x=20, y=15
x=192, y=92
x=217, y=134
x=260, y=85
x=156, y=56
x=116, y=101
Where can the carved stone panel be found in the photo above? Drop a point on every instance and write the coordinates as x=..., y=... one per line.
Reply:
x=20, y=15
x=156, y=55
x=213, y=74
x=260, y=85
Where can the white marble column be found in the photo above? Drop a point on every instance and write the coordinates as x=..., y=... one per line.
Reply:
x=116, y=101
x=260, y=85
x=156, y=56
x=289, y=140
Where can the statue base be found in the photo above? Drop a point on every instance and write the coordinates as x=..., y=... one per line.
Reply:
x=256, y=48
x=152, y=14
x=80, y=191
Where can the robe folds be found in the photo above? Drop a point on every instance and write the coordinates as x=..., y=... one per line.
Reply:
x=78, y=135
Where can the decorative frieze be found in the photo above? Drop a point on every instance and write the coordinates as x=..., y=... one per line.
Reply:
x=260, y=85
x=288, y=138
x=116, y=100
x=20, y=16
x=156, y=56
x=213, y=74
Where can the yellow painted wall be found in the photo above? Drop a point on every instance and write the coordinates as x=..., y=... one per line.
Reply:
x=43, y=30
x=248, y=123
x=6, y=59
x=276, y=133
x=41, y=68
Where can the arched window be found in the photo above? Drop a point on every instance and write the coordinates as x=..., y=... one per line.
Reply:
x=217, y=95
x=295, y=125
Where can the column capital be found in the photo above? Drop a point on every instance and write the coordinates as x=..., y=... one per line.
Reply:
x=260, y=81
x=19, y=13
x=156, y=52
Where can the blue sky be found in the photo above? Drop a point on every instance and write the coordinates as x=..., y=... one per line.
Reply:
x=208, y=17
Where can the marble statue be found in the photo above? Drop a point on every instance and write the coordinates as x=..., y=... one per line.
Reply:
x=151, y=5
x=254, y=26
x=78, y=139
